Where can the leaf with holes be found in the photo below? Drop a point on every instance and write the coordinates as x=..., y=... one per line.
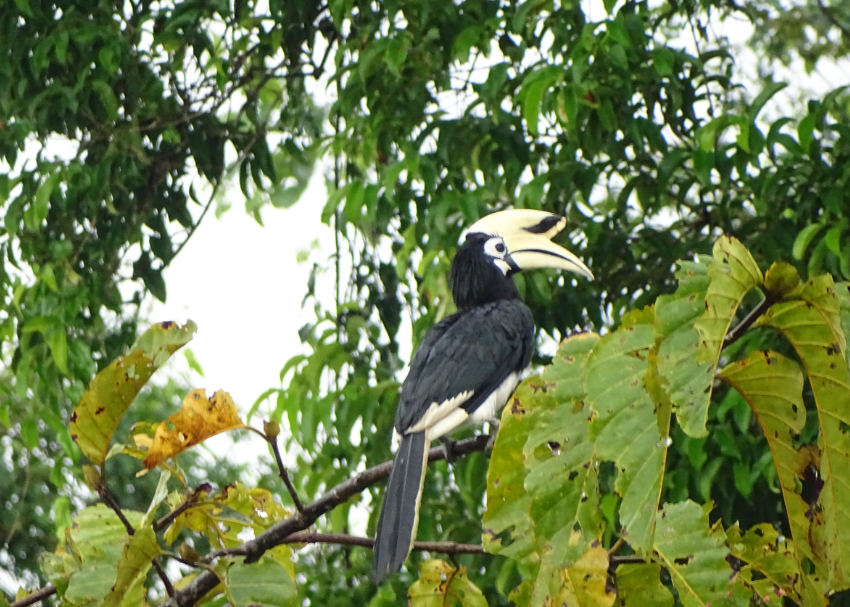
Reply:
x=441, y=584
x=693, y=555
x=812, y=324
x=198, y=419
x=771, y=566
x=686, y=381
x=624, y=423
x=111, y=392
x=773, y=387
x=562, y=474
x=508, y=528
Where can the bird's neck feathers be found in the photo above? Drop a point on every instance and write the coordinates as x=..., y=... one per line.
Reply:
x=477, y=280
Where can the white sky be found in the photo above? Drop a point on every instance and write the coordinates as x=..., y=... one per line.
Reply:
x=240, y=282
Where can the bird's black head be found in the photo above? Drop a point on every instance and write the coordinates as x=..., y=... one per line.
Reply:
x=481, y=271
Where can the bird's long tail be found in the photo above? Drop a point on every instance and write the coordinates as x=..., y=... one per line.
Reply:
x=400, y=513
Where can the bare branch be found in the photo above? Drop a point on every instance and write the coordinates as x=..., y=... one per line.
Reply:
x=343, y=539
x=279, y=532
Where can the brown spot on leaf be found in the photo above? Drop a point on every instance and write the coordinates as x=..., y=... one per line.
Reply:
x=684, y=560
x=516, y=407
x=833, y=349
x=99, y=410
x=73, y=417
x=167, y=324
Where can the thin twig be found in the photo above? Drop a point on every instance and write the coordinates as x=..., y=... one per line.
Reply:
x=190, y=501
x=617, y=545
x=277, y=533
x=284, y=475
x=736, y=332
x=343, y=539
x=36, y=597
x=169, y=587
x=106, y=496
x=628, y=560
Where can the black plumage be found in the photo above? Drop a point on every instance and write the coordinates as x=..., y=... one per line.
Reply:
x=475, y=351
x=469, y=363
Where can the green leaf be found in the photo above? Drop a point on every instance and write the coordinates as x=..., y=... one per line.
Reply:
x=441, y=584
x=687, y=382
x=59, y=349
x=639, y=585
x=773, y=387
x=100, y=538
x=267, y=582
x=805, y=132
x=692, y=554
x=804, y=238
x=107, y=98
x=812, y=324
x=531, y=103
x=193, y=363
x=135, y=561
x=733, y=274
x=29, y=433
x=624, y=423
x=770, y=89
x=111, y=392
x=508, y=526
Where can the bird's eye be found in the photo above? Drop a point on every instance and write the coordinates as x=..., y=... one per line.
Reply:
x=500, y=247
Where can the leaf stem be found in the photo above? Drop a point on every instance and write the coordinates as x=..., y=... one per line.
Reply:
x=736, y=332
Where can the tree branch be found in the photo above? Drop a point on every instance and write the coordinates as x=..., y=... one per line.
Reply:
x=36, y=597
x=279, y=532
x=735, y=333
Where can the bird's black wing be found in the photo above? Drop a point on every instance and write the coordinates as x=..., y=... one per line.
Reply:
x=470, y=351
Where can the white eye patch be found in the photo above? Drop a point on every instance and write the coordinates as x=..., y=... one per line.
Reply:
x=495, y=247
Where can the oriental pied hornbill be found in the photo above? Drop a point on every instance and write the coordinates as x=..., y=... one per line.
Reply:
x=469, y=363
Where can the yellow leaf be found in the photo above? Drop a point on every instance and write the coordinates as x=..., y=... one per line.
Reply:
x=198, y=419
x=441, y=584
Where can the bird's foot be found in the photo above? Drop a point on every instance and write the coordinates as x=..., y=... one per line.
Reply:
x=448, y=450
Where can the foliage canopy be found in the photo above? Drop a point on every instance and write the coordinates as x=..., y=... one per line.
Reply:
x=700, y=418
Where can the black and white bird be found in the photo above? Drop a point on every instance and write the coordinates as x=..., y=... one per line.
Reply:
x=469, y=363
